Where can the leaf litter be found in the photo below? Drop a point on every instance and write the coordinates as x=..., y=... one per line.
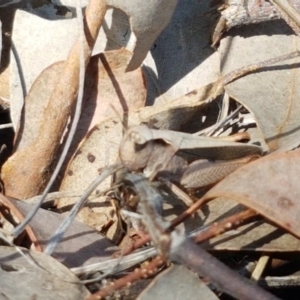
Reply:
x=133, y=206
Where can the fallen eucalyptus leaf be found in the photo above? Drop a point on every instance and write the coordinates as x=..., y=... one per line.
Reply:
x=46, y=279
x=183, y=283
x=99, y=149
x=268, y=186
x=259, y=235
x=35, y=105
x=80, y=246
x=182, y=59
x=46, y=149
x=29, y=57
x=109, y=91
x=271, y=95
x=147, y=20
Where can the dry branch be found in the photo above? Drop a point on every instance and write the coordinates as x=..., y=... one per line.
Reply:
x=240, y=12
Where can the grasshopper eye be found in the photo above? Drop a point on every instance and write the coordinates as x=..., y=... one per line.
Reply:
x=139, y=147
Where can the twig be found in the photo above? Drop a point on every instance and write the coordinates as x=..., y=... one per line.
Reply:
x=280, y=281
x=256, y=67
x=147, y=270
x=51, y=197
x=224, y=108
x=225, y=279
x=178, y=192
x=224, y=225
x=116, y=265
x=188, y=213
x=31, y=234
x=221, y=124
x=4, y=126
x=242, y=12
x=136, y=245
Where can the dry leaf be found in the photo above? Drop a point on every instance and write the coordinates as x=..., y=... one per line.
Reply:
x=272, y=189
x=147, y=20
x=48, y=28
x=181, y=281
x=41, y=278
x=271, y=95
x=109, y=90
x=182, y=59
x=255, y=236
x=35, y=105
x=45, y=146
x=80, y=246
x=33, y=57
x=99, y=149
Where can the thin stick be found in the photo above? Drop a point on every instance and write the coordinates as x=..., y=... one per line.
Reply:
x=188, y=213
x=143, y=272
x=116, y=265
x=51, y=197
x=224, y=225
x=256, y=67
x=4, y=126
x=30, y=232
x=178, y=192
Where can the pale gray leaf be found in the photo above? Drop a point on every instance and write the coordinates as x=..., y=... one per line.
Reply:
x=80, y=246
x=177, y=282
x=45, y=279
x=271, y=95
x=182, y=58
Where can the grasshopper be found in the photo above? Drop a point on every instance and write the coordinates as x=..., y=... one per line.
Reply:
x=153, y=152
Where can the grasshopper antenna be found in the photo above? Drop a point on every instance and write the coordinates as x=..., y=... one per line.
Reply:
x=123, y=120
